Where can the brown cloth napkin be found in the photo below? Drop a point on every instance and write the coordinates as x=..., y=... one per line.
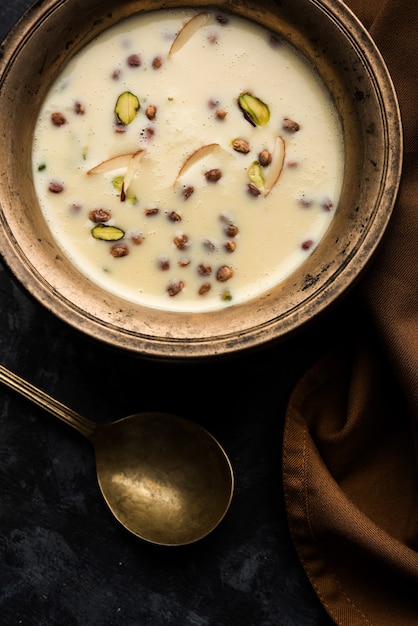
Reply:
x=350, y=466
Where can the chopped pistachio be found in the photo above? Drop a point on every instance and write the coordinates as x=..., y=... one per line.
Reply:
x=255, y=174
x=132, y=199
x=255, y=110
x=117, y=183
x=126, y=107
x=106, y=232
x=41, y=167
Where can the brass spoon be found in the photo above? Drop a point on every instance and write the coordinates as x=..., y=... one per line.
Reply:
x=166, y=479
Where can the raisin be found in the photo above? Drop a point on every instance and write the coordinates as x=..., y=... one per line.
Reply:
x=58, y=119
x=99, y=215
x=119, y=250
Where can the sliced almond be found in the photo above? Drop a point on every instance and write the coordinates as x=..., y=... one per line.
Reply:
x=114, y=163
x=130, y=172
x=276, y=165
x=195, y=157
x=188, y=31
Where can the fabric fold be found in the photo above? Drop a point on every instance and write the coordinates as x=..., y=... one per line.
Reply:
x=351, y=493
x=350, y=462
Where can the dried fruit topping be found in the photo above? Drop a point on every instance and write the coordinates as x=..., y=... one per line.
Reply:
x=212, y=176
x=126, y=107
x=204, y=288
x=231, y=230
x=157, y=63
x=222, y=19
x=58, y=119
x=134, y=60
x=132, y=169
x=148, y=133
x=204, y=269
x=187, y=191
x=255, y=110
x=308, y=243
x=151, y=212
x=173, y=216
x=229, y=246
x=137, y=239
x=253, y=190
x=114, y=163
x=175, y=287
x=151, y=111
x=119, y=250
x=327, y=204
x=226, y=295
x=117, y=182
x=255, y=174
x=56, y=187
x=305, y=202
x=99, y=215
x=105, y=232
x=209, y=245
x=276, y=167
x=240, y=145
x=164, y=263
x=264, y=158
x=188, y=30
x=195, y=157
x=224, y=273
x=79, y=108
x=290, y=125
x=181, y=242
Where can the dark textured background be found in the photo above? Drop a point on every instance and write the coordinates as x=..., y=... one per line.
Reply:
x=64, y=560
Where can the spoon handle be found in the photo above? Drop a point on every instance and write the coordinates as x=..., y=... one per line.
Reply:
x=42, y=399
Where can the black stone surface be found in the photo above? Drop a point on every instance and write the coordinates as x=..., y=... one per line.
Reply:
x=64, y=560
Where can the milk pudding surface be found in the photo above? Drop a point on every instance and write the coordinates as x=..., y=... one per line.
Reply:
x=188, y=161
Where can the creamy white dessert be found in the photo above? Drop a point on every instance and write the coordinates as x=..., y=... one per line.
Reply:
x=188, y=161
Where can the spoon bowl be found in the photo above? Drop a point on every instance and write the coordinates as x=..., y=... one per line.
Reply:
x=165, y=479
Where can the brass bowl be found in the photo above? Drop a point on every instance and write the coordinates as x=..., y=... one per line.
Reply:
x=355, y=74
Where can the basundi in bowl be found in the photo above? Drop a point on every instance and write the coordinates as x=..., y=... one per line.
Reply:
x=221, y=205
x=153, y=219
